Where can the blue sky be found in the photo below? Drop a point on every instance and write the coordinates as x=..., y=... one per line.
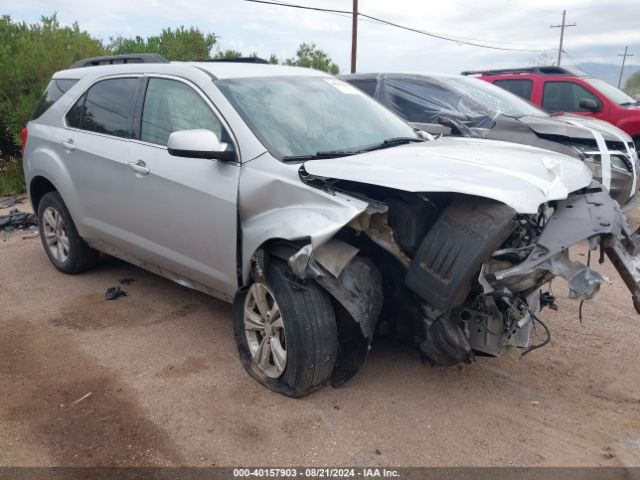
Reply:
x=602, y=31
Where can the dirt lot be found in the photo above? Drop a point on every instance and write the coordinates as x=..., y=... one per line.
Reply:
x=165, y=386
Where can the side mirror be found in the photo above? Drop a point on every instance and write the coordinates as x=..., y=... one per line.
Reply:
x=199, y=143
x=589, y=104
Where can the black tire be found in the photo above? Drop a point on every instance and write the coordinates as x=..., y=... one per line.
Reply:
x=80, y=257
x=310, y=329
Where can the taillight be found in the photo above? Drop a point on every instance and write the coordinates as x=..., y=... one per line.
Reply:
x=23, y=138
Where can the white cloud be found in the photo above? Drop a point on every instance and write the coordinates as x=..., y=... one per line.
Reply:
x=602, y=31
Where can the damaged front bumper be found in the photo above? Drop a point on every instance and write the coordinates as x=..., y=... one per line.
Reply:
x=594, y=216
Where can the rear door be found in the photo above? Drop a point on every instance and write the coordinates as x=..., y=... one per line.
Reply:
x=95, y=145
x=182, y=212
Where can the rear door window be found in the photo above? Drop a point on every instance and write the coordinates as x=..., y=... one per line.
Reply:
x=56, y=88
x=522, y=88
x=107, y=107
x=565, y=97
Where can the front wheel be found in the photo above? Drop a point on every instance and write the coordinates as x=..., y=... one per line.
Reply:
x=286, y=332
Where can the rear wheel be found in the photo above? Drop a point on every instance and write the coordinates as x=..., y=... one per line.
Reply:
x=68, y=252
x=286, y=332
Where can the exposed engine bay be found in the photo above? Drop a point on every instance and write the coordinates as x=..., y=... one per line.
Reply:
x=457, y=274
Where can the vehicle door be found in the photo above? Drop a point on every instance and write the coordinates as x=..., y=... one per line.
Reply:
x=95, y=145
x=183, y=211
x=566, y=95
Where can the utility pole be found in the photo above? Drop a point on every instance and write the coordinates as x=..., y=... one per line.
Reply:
x=562, y=26
x=624, y=57
x=354, y=36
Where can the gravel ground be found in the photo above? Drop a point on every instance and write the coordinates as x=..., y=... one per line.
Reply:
x=153, y=378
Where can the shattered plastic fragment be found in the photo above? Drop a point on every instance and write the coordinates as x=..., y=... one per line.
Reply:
x=584, y=282
x=113, y=293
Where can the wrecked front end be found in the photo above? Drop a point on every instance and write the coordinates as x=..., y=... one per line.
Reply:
x=459, y=274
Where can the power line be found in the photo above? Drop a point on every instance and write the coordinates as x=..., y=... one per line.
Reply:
x=624, y=57
x=562, y=26
x=354, y=36
x=448, y=38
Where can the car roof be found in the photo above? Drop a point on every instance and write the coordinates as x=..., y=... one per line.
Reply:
x=552, y=70
x=398, y=75
x=243, y=70
x=218, y=70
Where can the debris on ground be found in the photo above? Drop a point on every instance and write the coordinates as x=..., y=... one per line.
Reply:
x=114, y=292
x=9, y=202
x=17, y=219
x=81, y=398
x=34, y=233
x=126, y=280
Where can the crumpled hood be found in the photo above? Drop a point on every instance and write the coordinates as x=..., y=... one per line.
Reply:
x=575, y=126
x=520, y=176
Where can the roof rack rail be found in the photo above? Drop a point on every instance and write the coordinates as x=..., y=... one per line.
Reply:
x=119, y=59
x=238, y=60
x=540, y=70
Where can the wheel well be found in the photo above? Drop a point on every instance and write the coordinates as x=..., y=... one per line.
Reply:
x=38, y=188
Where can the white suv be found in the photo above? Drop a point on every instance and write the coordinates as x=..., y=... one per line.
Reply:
x=318, y=212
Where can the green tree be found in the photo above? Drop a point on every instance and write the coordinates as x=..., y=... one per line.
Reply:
x=229, y=54
x=180, y=44
x=310, y=56
x=632, y=86
x=29, y=55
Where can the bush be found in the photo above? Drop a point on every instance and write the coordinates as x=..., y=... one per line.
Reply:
x=29, y=55
x=11, y=177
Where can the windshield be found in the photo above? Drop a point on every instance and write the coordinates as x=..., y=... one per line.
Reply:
x=612, y=93
x=301, y=116
x=494, y=98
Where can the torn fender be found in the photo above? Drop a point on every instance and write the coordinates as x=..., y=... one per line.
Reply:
x=275, y=204
x=354, y=281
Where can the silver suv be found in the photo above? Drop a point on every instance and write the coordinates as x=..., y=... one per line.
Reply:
x=319, y=213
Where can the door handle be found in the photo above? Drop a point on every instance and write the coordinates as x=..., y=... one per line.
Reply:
x=68, y=144
x=139, y=167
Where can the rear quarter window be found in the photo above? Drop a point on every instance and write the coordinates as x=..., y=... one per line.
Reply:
x=56, y=88
x=368, y=85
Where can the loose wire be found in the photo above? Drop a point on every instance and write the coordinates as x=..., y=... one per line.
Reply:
x=582, y=301
x=547, y=332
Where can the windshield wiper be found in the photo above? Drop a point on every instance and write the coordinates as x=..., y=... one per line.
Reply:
x=319, y=155
x=390, y=142
x=629, y=104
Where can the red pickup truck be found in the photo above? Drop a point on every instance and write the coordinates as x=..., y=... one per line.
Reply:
x=564, y=89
